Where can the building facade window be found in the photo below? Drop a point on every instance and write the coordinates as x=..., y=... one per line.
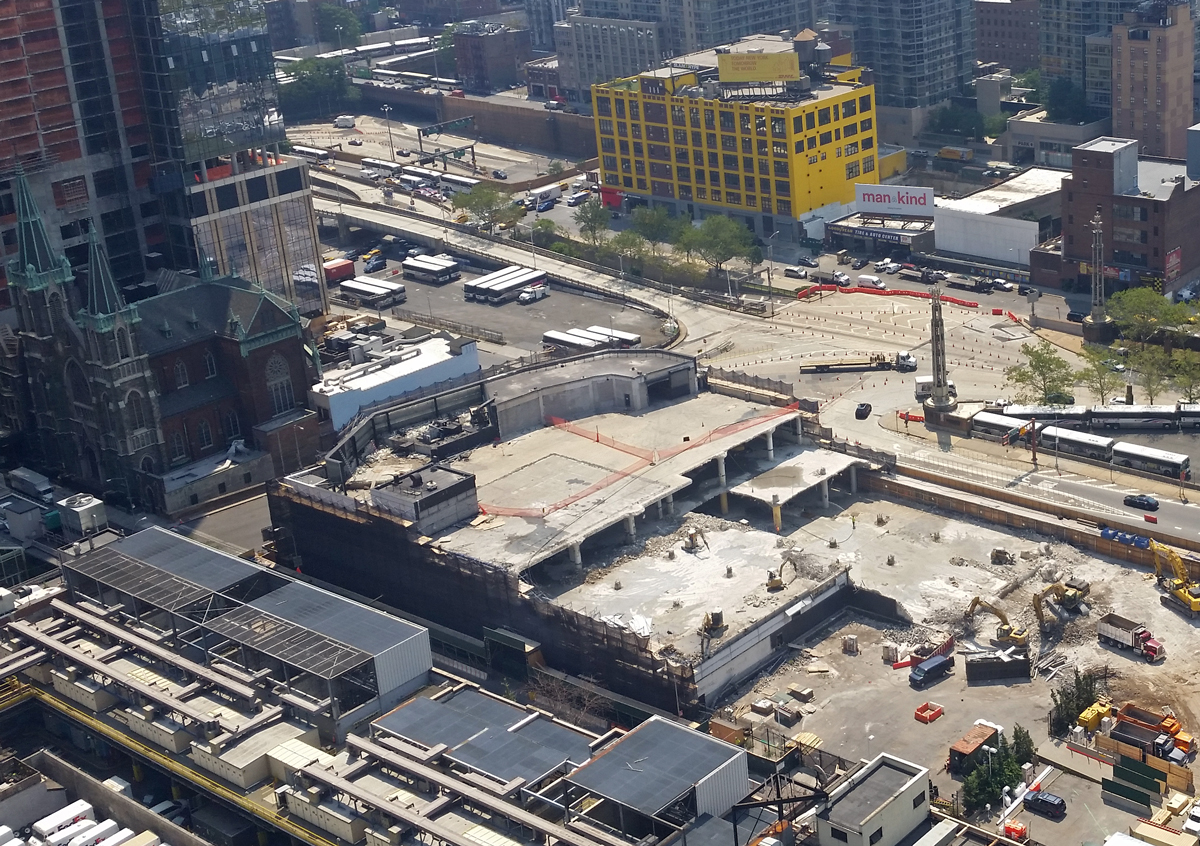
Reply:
x=137, y=410
x=178, y=447
x=233, y=426
x=122, y=344
x=204, y=434
x=181, y=374
x=279, y=385
x=210, y=365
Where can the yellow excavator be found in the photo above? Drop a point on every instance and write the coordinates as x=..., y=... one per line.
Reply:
x=1005, y=632
x=1069, y=596
x=1174, y=579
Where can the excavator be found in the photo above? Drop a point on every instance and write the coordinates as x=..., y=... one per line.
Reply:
x=1005, y=632
x=1069, y=596
x=1174, y=579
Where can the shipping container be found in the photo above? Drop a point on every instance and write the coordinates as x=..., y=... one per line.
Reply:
x=993, y=668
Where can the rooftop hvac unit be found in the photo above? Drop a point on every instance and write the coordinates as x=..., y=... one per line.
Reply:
x=83, y=514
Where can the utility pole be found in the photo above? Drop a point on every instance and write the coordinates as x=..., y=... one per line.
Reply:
x=387, y=115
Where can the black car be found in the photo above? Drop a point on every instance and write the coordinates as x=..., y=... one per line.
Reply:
x=355, y=142
x=808, y=261
x=1047, y=804
x=1059, y=398
x=1075, y=316
x=403, y=152
x=1024, y=289
x=1142, y=501
x=858, y=263
x=862, y=411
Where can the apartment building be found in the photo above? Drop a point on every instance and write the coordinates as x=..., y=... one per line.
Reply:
x=1152, y=78
x=763, y=153
x=1063, y=30
x=1006, y=32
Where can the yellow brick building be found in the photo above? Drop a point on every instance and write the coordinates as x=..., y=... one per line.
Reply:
x=764, y=153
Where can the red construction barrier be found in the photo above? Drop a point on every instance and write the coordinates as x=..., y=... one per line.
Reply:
x=997, y=311
x=927, y=712
x=900, y=665
x=914, y=418
x=1149, y=518
x=924, y=295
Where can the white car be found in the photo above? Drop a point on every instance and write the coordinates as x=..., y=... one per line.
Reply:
x=795, y=272
x=840, y=278
x=892, y=267
x=1002, y=285
x=881, y=264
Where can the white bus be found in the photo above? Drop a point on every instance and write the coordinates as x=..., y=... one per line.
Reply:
x=422, y=173
x=1135, y=417
x=396, y=289
x=384, y=167
x=1189, y=415
x=416, y=79
x=365, y=293
x=444, y=84
x=384, y=75
x=511, y=287
x=623, y=339
x=999, y=426
x=1172, y=464
x=313, y=154
x=476, y=289
x=599, y=340
x=458, y=184
x=570, y=342
x=1072, y=416
x=425, y=269
x=1059, y=439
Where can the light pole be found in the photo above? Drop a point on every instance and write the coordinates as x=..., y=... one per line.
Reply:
x=387, y=116
x=296, y=439
x=770, y=260
x=338, y=30
x=991, y=750
x=532, y=246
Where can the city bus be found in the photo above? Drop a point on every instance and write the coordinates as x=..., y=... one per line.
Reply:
x=399, y=294
x=444, y=84
x=1172, y=464
x=422, y=173
x=458, y=184
x=997, y=426
x=384, y=167
x=425, y=269
x=384, y=75
x=364, y=292
x=621, y=339
x=570, y=342
x=1135, y=417
x=313, y=154
x=1059, y=439
x=374, y=51
x=411, y=45
x=477, y=288
x=1067, y=416
x=511, y=287
x=484, y=288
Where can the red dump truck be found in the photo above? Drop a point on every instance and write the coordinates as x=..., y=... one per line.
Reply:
x=1126, y=634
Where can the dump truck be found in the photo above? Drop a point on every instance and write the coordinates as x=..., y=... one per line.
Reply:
x=1158, y=744
x=1146, y=718
x=1118, y=631
x=902, y=361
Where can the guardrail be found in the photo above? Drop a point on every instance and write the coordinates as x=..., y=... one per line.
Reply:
x=476, y=332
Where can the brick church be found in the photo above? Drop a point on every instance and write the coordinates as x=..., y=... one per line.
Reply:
x=174, y=400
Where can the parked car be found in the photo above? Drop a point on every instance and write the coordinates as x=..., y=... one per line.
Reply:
x=1024, y=289
x=1059, y=398
x=1047, y=804
x=375, y=264
x=862, y=411
x=891, y=267
x=795, y=272
x=1075, y=316
x=840, y=278
x=418, y=251
x=1192, y=824
x=1002, y=285
x=499, y=174
x=1143, y=501
x=1113, y=365
x=545, y=206
x=920, y=154
x=808, y=261
x=858, y=264
x=355, y=142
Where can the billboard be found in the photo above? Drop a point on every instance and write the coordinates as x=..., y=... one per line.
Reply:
x=758, y=67
x=1174, y=263
x=896, y=200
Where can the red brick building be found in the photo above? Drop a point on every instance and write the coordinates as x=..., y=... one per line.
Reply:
x=1006, y=32
x=173, y=400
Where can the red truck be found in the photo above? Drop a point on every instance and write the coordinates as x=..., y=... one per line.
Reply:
x=337, y=270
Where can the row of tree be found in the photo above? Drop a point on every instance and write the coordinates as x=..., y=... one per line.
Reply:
x=1044, y=377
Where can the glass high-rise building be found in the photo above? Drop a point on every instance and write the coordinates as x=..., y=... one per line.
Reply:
x=156, y=122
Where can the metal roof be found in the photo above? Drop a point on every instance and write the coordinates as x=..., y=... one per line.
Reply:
x=139, y=580
x=480, y=730
x=164, y=550
x=289, y=642
x=653, y=765
x=854, y=807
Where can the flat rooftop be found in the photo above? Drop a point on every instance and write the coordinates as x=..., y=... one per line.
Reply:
x=628, y=362
x=1033, y=183
x=407, y=361
x=558, y=486
x=911, y=224
x=794, y=476
x=1106, y=145
x=885, y=779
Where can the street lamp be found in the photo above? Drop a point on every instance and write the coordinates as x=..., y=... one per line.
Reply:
x=532, y=246
x=991, y=750
x=387, y=116
x=338, y=30
x=770, y=260
x=296, y=438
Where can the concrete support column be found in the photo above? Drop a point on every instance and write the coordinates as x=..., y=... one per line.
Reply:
x=825, y=493
x=724, y=502
x=631, y=528
x=853, y=479
x=671, y=505
x=777, y=513
x=576, y=555
x=771, y=443
x=660, y=509
x=721, y=469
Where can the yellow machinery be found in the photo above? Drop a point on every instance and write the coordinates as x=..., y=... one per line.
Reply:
x=1005, y=632
x=1067, y=597
x=1094, y=713
x=1173, y=578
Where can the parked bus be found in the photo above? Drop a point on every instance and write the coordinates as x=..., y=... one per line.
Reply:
x=374, y=51
x=1059, y=439
x=384, y=167
x=1066, y=416
x=476, y=289
x=1173, y=464
x=1189, y=415
x=600, y=340
x=999, y=426
x=487, y=291
x=444, y=84
x=384, y=75
x=458, y=184
x=413, y=78
x=623, y=339
x=424, y=269
x=510, y=287
x=1135, y=417
x=313, y=154
x=366, y=292
x=412, y=45
x=422, y=173
x=397, y=289
x=570, y=342
x=410, y=183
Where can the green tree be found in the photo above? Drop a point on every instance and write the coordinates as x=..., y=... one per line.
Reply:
x=592, y=218
x=1097, y=376
x=1022, y=745
x=329, y=17
x=555, y=167
x=488, y=203
x=655, y=225
x=1154, y=371
x=545, y=231
x=994, y=125
x=1186, y=378
x=687, y=241
x=1066, y=102
x=629, y=245
x=318, y=87
x=1068, y=700
x=1032, y=78
x=1139, y=312
x=1043, y=372
x=956, y=120
x=447, y=61
x=722, y=239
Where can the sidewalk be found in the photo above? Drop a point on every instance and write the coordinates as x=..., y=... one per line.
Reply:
x=1060, y=755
